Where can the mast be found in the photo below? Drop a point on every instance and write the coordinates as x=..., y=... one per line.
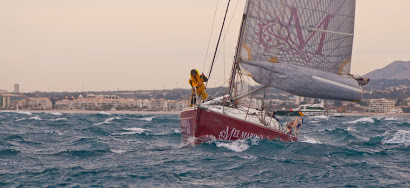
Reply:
x=235, y=65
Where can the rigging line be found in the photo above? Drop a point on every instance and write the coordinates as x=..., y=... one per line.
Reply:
x=229, y=25
x=217, y=44
x=226, y=32
x=210, y=35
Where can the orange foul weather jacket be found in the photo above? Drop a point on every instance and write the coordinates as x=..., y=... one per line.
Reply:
x=198, y=83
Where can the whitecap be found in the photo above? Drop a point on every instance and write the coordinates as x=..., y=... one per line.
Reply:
x=351, y=129
x=103, y=113
x=147, y=118
x=24, y=112
x=248, y=157
x=36, y=118
x=18, y=112
x=311, y=140
x=20, y=119
x=53, y=132
x=362, y=120
x=400, y=137
x=134, y=130
x=189, y=143
x=118, y=150
x=56, y=113
x=176, y=131
x=107, y=121
x=58, y=119
x=236, y=146
x=390, y=119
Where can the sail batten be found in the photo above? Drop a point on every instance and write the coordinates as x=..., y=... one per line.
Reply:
x=313, y=36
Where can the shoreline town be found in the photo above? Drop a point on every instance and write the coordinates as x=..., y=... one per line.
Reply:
x=165, y=112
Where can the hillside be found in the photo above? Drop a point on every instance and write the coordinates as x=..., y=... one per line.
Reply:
x=399, y=70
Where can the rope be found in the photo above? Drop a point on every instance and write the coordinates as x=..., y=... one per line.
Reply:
x=219, y=38
x=210, y=35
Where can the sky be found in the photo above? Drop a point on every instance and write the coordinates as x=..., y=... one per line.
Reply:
x=101, y=45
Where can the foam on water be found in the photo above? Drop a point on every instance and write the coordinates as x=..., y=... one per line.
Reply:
x=107, y=121
x=20, y=119
x=24, y=112
x=134, y=130
x=248, y=157
x=103, y=113
x=308, y=139
x=58, y=119
x=18, y=112
x=56, y=113
x=118, y=150
x=177, y=131
x=390, y=119
x=362, y=120
x=400, y=137
x=147, y=118
x=236, y=146
x=36, y=118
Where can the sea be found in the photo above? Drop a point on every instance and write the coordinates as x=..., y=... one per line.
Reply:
x=134, y=150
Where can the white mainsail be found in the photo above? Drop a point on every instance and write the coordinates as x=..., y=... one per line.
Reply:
x=301, y=46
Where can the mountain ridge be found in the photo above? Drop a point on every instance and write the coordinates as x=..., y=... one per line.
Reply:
x=399, y=70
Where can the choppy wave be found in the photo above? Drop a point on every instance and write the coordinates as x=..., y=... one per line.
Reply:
x=135, y=150
x=118, y=150
x=311, y=140
x=58, y=119
x=108, y=121
x=362, y=120
x=147, y=118
x=36, y=118
x=56, y=113
x=134, y=130
x=18, y=112
x=400, y=137
x=103, y=113
x=236, y=146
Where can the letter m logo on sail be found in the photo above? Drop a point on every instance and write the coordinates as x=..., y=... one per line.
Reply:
x=302, y=42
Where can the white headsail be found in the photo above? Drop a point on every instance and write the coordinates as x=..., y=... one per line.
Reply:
x=301, y=46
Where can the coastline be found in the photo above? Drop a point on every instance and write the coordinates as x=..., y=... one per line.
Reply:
x=376, y=114
x=169, y=112
x=95, y=112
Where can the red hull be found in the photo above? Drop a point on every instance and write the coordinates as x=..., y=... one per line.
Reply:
x=205, y=125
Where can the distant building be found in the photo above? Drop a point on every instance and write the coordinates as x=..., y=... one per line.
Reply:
x=16, y=88
x=159, y=105
x=381, y=105
x=41, y=103
x=177, y=105
x=5, y=101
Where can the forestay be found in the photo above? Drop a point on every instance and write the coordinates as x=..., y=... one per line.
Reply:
x=301, y=46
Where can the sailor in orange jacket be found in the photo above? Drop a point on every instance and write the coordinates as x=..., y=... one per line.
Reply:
x=197, y=83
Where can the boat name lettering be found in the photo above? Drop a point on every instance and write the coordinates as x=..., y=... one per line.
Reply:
x=235, y=134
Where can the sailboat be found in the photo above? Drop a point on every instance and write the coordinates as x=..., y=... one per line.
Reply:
x=303, y=47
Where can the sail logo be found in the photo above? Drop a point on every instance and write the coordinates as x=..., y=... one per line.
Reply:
x=234, y=134
x=290, y=37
